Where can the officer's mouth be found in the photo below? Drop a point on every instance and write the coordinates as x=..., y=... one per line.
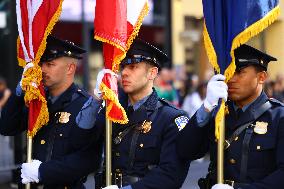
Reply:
x=45, y=78
x=125, y=83
x=232, y=89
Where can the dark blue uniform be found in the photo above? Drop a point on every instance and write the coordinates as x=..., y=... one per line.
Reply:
x=265, y=158
x=68, y=152
x=146, y=158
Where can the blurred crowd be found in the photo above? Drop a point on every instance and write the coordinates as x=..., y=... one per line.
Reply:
x=188, y=91
x=4, y=92
x=275, y=88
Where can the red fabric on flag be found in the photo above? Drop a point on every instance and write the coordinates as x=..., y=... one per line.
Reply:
x=35, y=21
x=113, y=28
x=111, y=22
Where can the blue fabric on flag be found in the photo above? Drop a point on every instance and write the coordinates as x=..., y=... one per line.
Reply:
x=225, y=19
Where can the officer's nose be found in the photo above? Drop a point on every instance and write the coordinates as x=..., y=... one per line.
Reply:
x=233, y=79
x=43, y=68
x=124, y=71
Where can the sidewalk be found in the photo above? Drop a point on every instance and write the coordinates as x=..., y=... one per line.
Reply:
x=5, y=177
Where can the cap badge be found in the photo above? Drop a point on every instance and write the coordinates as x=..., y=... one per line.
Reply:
x=261, y=61
x=260, y=127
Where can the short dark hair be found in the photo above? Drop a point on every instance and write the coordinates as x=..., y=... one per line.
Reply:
x=259, y=68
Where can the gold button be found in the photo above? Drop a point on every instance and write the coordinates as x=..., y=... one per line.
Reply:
x=117, y=154
x=42, y=142
x=117, y=170
x=237, y=138
x=232, y=161
x=258, y=147
x=141, y=145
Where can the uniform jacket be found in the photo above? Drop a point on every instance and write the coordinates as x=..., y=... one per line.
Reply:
x=265, y=165
x=155, y=160
x=67, y=151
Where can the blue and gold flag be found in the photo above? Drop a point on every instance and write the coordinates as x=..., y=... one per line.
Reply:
x=227, y=25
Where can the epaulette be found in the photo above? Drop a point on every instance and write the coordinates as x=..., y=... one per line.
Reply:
x=167, y=103
x=275, y=101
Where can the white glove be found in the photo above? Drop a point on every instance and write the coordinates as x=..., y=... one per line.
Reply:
x=216, y=89
x=222, y=186
x=97, y=91
x=111, y=187
x=28, y=66
x=29, y=171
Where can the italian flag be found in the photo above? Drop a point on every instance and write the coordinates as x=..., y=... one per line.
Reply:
x=117, y=23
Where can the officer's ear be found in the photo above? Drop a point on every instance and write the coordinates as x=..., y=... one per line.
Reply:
x=72, y=65
x=153, y=72
x=262, y=76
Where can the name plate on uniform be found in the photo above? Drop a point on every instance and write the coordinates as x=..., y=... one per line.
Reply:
x=260, y=127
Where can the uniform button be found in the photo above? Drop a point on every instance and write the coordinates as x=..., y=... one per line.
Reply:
x=258, y=147
x=117, y=154
x=237, y=138
x=61, y=134
x=117, y=170
x=79, y=90
x=232, y=161
x=42, y=142
x=141, y=145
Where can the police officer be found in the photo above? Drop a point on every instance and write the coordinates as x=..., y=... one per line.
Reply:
x=254, y=157
x=64, y=150
x=144, y=152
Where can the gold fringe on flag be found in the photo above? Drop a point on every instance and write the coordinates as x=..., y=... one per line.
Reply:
x=34, y=76
x=138, y=25
x=108, y=93
x=240, y=39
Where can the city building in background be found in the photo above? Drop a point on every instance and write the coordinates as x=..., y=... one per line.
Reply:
x=187, y=39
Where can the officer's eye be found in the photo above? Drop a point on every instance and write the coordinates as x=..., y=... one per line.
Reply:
x=132, y=66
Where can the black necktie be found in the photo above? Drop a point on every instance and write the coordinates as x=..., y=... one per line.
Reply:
x=130, y=110
x=239, y=112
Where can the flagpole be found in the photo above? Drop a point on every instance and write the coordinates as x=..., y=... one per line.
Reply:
x=220, y=153
x=108, y=151
x=29, y=155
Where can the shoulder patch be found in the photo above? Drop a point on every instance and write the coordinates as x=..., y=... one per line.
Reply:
x=275, y=101
x=181, y=122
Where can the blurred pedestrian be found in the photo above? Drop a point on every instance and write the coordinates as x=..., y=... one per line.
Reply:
x=193, y=102
x=4, y=93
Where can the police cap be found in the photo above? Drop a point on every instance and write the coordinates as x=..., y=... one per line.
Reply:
x=56, y=48
x=246, y=55
x=142, y=51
